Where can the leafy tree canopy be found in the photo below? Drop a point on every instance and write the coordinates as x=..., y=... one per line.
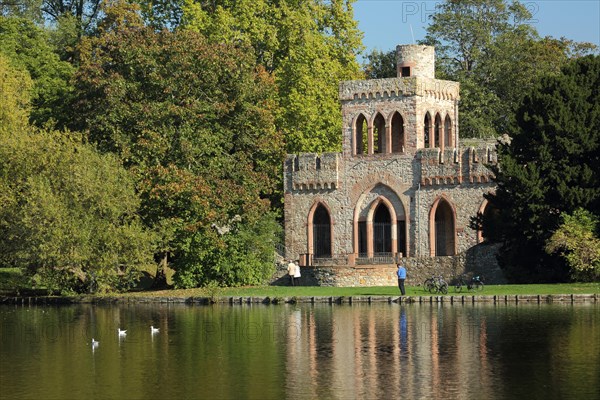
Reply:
x=549, y=167
x=578, y=241
x=308, y=47
x=490, y=48
x=67, y=214
x=27, y=47
x=193, y=120
x=15, y=92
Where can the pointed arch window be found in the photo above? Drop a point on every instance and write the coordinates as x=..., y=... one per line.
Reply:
x=397, y=133
x=382, y=230
x=379, y=145
x=448, y=132
x=437, y=129
x=360, y=135
x=427, y=130
x=487, y=212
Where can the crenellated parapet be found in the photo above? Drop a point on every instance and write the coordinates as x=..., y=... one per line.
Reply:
x=440, y=167
x=399, y=87
x=454, y=166
x=312, y=171
x=477, y=160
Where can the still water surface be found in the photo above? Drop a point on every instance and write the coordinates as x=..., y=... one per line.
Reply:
x=373, y=351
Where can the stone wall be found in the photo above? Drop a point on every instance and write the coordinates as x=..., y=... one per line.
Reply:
x=478, y=260
x=411, y=187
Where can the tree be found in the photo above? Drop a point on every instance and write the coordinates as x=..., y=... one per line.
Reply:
x=67, y=214
x=380, y=64
x=308, y=47
x=27, y=48
x=577, y=241
x=30, y=9
x=192, y=120
x=15, y=92
x=464, y=30
x=489, y=47
x=549, y=167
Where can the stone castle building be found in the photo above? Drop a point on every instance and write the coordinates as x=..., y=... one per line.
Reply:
x=402, y=186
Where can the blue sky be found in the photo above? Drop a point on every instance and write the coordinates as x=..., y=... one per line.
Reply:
x=387, y=23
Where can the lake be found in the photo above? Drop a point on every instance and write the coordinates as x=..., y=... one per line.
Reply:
x=322, y=351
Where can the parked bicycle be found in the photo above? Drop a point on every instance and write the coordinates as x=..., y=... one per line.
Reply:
x=474, y=283
x=436, y=284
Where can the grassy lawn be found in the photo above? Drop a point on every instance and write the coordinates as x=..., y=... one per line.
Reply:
x=287, y=291
x=11, y=278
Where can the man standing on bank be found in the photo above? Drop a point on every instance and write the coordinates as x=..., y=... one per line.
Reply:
x=401, y=278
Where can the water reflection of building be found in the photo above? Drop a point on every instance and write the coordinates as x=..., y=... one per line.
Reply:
x=378, y=352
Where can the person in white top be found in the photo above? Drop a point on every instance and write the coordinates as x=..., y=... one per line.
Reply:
x=297, y=273
x=291, y=269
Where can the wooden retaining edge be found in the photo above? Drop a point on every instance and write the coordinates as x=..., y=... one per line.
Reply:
x=237, y=300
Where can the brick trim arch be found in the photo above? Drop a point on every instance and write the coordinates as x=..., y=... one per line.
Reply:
x=354, y=134
x=309, y=225
x=372, y=207
x=432, y=231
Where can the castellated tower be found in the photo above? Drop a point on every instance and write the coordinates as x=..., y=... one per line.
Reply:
x=397, y=115
x=402, y=187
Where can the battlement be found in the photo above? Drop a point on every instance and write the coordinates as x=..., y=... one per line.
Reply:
x=399, y=87
x=311, y=171
x=478, y=159
x=455, y=166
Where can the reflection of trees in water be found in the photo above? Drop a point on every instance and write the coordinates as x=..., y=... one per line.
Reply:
x=305, y=351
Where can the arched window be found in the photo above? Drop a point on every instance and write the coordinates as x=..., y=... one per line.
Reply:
x=379, y=145
x=382, y=232
x=443, y=230
x=360, y=135
x=438, y=131
x=397, y=133
x=448, y=132
x=427, y=130
x=321, y=233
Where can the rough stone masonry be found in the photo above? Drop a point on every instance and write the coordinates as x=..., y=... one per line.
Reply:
x=402, y=187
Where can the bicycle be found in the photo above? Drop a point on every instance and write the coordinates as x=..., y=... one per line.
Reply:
x=475, y=283
x=436, y=284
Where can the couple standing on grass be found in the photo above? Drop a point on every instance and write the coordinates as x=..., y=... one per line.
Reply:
x=293, y=272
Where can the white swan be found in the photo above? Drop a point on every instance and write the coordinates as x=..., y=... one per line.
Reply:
x=122, y=332
x=153, y=329
x=94, y=342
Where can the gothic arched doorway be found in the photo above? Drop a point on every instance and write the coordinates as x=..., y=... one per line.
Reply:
x=443, y=240
x=321, y=227
x=382, y=230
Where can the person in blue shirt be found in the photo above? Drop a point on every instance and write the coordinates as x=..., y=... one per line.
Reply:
x=401, y=278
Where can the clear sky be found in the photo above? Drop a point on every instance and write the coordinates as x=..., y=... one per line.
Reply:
x=387, y=23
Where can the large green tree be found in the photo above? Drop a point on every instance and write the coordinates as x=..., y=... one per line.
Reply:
x=550, y=166
x=67, y=214
x=490, y=47
x=308, y=47
x=26, y=46
x=194, y=121
x=497, y=56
